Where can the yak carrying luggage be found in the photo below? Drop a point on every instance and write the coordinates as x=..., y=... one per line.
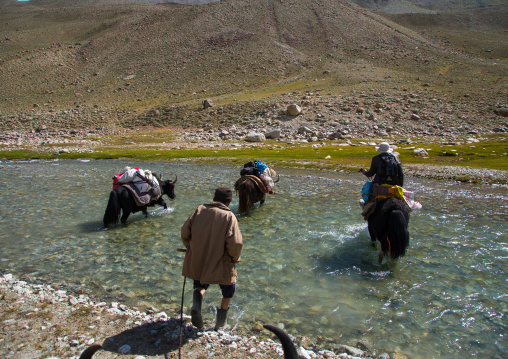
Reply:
x=262, y=171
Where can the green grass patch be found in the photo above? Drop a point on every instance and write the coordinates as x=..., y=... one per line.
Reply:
x=489, y=153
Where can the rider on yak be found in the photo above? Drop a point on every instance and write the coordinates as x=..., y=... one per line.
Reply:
x=385, y=209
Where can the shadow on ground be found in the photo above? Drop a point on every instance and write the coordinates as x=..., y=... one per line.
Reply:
x=156, y=338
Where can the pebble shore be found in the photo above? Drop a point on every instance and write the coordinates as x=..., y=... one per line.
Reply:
x=39, y=321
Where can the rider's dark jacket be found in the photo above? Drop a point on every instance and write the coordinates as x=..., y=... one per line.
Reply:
x=375, y=170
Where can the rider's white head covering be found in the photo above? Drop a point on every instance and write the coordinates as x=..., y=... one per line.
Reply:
x=384, y=147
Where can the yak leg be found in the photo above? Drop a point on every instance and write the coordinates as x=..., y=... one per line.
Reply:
x=160, y=201
x=125, y=215
x=372, y=236
x=145, y=211
x=262, y=200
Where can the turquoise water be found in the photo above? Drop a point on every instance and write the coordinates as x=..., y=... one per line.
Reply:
x=307, y=264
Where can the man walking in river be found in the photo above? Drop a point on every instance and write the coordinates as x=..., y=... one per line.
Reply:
x=214, y=245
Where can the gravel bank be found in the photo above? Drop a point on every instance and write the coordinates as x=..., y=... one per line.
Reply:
x=40, y=321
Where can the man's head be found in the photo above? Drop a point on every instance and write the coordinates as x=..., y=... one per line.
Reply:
x=223, y=195
x=384, y=147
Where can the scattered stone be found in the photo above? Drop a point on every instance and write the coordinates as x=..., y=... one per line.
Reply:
x=207, y=104
x=124, y=349
x=294, y=110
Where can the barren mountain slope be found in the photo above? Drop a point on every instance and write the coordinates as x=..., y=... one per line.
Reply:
x=134, y=57
x=425, y=6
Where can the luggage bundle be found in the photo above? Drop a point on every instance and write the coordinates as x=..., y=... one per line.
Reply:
x=376, y=191
x=143, y=179
x=261, y=170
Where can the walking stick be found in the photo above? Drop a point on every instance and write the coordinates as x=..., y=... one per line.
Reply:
x=181, y=310
x=181, y=320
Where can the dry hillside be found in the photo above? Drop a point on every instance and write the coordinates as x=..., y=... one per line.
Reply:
x=65, y=65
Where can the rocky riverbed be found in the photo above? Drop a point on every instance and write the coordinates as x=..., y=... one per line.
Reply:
x=38, y=320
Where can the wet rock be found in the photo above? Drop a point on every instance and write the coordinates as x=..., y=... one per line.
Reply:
x=305, y=342
x=351, y=350
x=257, y=326
x=399, y=356
x=303, y=354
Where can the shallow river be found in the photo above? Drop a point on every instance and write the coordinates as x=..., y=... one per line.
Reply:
x=307, y=263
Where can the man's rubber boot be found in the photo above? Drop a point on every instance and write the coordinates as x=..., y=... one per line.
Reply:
x=196, y=318
x=222, y=318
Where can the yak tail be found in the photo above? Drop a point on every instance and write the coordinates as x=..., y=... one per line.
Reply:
x=113, y=210
x=398, y=235
x=287, y=344
x=245, y=200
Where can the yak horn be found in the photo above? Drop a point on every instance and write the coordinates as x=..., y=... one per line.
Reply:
x=278, y=178
x=287, y=344
x=176, y=177
x=90, y=351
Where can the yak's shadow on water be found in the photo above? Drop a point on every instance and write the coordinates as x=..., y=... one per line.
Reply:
x=155, y=338
x=356, y=255
x=91, y=227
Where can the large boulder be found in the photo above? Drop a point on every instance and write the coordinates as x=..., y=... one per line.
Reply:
x=255, y=137
x=303, y=130
x=273, y=134
x=335, y=136
x=294, y=110
x=421, y=152
x=207, y=103
x=502, y=111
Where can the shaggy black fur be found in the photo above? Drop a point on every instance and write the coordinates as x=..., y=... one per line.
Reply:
x=122, y=201
x=388, y=224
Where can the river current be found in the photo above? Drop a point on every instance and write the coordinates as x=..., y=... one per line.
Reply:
x=307, y=263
